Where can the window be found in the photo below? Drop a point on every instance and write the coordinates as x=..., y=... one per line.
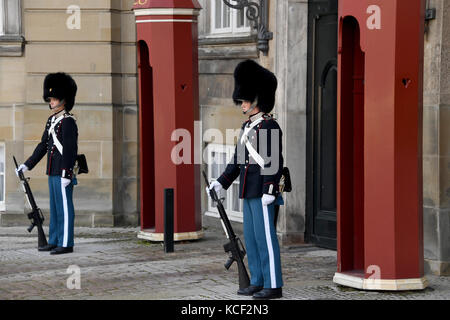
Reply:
x=225, y=20
x=218, y=157
x=2, y=19
x=11, y=40
x=10, y=17
x=2, y=176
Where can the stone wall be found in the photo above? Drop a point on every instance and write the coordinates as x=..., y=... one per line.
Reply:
x=287, y=59
x=101, y=57
x=436, y=143
x=288, y=55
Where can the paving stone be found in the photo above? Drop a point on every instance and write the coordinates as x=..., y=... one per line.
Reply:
x=114, y=264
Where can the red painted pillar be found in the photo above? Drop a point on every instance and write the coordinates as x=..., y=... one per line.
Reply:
x=168, y=100
x=379, y=144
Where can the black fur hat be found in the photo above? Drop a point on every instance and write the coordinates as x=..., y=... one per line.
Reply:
x=61, y=86
x=253, y=82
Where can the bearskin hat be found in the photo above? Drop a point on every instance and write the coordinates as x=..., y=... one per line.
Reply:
x=254, y=82
x=60, y=86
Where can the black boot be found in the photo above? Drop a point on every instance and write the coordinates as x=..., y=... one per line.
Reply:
x=268, y=294
x=62, y=250
x=249, y=291
x=48, y=247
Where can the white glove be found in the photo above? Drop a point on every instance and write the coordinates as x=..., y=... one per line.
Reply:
x=216, y=185
x=65, y=182
x=267, y=199
x=22, y=168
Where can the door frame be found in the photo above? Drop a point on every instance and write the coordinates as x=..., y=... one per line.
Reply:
x=310, y=237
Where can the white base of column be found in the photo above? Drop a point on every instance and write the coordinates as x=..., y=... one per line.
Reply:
x=380, y=284
x=182, y=236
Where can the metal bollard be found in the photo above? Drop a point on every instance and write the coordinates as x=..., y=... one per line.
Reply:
x=168, y=220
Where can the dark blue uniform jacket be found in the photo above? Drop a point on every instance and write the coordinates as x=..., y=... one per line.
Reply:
x=57, y=165
x=266, y=138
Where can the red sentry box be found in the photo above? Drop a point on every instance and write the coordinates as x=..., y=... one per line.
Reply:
x=379, y=144
x=168, y=100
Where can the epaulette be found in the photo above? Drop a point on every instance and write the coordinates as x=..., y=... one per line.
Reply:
x=70, y=115
x=268, y=116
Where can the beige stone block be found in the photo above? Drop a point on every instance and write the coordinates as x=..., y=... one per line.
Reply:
x=116, y=58
x=118, y=139
x=444, y=182
x=94, y=89
x=6, y=133
x=93, y=157
x=127, y=4
x=129, y=60
x=444, y=136
x=93, y=194
x=130, y=159
x=118, y=124
x=128, y=191
x=107, y=158
x=118, y=161
x=34, y=122
x=12, y=80
x=39, y=170
x=129, y=84
x=53, y=26
x=128, y=28
x=6, y=116
x=223, y=119
x=117, y=90
x=91, y=89
x=12, y=148
x=432, y=67
x=71, y=58
x=115, y=26
x=430, y=131
x=94, y=124
x=64, y=4
x=35, y=88
x=18, y=123
x=215, y=86
x=430, y=181
x=102, y=220
x=131, y=124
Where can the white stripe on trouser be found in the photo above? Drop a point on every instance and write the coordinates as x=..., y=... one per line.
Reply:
x=66, y=216
x=273, y=280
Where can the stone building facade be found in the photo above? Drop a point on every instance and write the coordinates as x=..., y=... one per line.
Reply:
x=42, y=36
x=94, y=41
x=290, y=57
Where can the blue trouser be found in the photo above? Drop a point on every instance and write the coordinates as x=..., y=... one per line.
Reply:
x=261, y=242
x=61, y=213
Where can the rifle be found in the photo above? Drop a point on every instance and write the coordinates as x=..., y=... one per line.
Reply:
x=234, y=248
x=36, y=216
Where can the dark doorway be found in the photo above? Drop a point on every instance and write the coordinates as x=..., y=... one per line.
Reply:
x=351, y=140
x=146, y=138
x=322, y=119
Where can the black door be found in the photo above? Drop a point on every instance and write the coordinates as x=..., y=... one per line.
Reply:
x=321, y=133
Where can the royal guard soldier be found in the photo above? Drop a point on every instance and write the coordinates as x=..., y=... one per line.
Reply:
x=59, y=142
x=258, y=161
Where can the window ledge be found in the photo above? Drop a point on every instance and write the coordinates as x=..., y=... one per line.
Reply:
x=227, y=47
x=11, y=46
x=227, y=39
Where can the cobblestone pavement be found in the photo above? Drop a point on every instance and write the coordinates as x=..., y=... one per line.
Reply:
x=114, y=264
